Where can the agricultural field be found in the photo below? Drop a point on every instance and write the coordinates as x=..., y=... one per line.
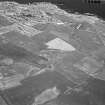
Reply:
x=49, y=57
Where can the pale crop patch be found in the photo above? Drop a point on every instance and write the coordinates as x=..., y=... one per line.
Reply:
x=60, y=44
